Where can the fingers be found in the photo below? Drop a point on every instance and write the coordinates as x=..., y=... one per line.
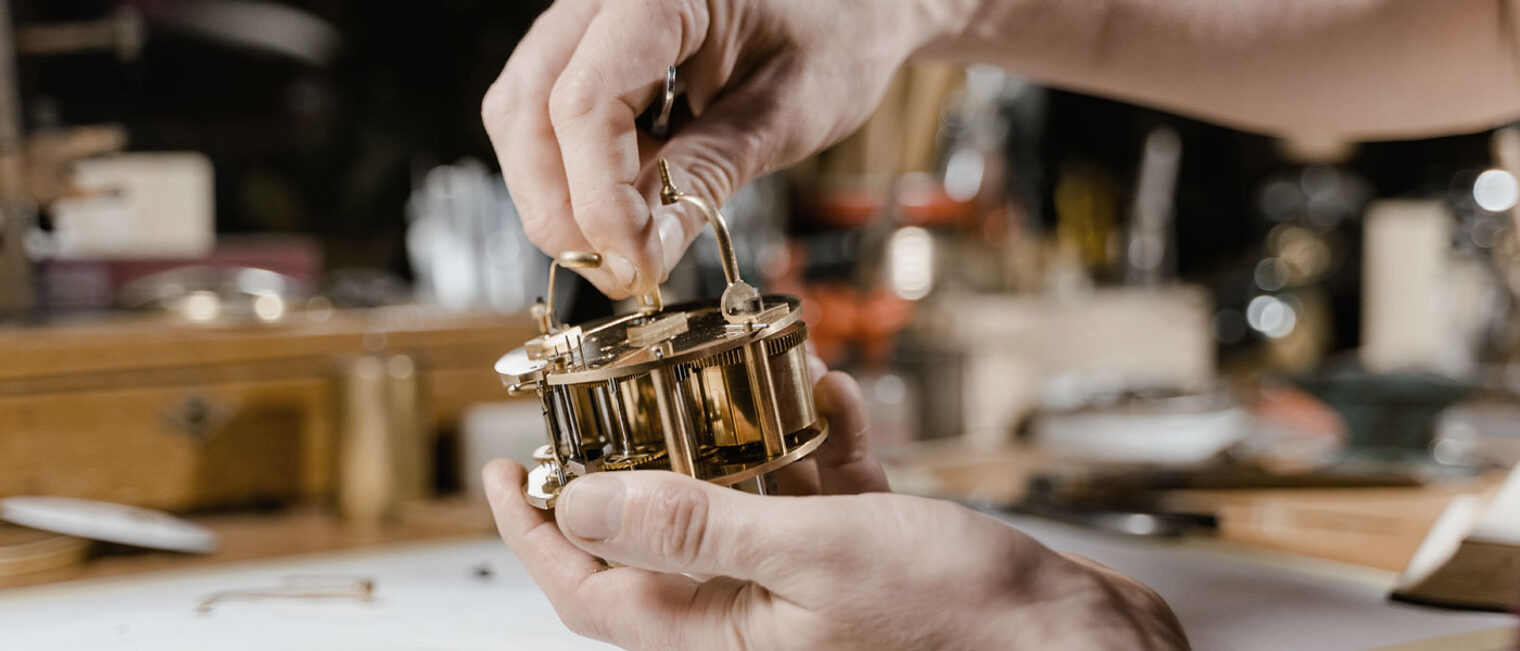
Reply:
x=606, y=83
x=845, y=465
x=515, y=112
x=626, y=606
x=816, y=366
x=573, y=160
x=798, y=478
x=740, y=137
x=801, y=477
x=671, y=523
x=556, y=565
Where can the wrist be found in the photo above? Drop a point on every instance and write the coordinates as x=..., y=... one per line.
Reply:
x=1063, y=600
x=1125, y=608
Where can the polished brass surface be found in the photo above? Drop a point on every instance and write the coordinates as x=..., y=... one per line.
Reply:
x=651, y=302
x=675, y=423
x=714, y=389
x=602, y=349
x=762, y=386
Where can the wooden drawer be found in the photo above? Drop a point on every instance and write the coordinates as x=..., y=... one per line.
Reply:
x=450, y=391
x=176, y=447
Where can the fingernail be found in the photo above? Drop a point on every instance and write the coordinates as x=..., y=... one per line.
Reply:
x=492, y=480
x=490, y=483
x=592, y=507
x=623, y=271
x=672, y=237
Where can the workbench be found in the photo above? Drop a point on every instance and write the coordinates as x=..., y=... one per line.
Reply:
x=470, y=594
x=103, y=410
x=152, y=411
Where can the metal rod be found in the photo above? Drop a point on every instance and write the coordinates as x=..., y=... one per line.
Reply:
x=761, y=385
x=569, y=431
x=760, y=485
x=680, y=441
x=611, y=417
x=544, y=401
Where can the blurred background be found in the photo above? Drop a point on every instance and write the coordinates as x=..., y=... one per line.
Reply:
x=257, y=261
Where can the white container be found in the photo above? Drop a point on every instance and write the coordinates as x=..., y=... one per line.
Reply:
x=138, y=205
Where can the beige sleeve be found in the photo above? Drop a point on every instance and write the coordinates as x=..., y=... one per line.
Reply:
x=1359, y=69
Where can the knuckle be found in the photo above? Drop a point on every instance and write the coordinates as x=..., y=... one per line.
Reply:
x=718, y=167
x=600, y=216
x=766, y=145
x=710, y=172
x=688, y=14
x=690, y=17
x=574, y=97
x=497, y=107
x=655, y=8
x=580, y=621
x=536, y=230
x=678, y=524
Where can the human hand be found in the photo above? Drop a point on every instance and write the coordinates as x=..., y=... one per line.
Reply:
x=875, y=571
x=769, y=82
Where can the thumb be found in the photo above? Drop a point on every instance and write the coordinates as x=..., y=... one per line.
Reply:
x=667, y=522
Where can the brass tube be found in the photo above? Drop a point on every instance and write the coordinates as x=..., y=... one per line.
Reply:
x=762, y=386
x=680, y=441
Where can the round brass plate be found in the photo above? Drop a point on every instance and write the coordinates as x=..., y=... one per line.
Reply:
x=608, y=353
x=797, y=452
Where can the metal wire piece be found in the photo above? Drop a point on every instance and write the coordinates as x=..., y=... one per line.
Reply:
x=361, y=588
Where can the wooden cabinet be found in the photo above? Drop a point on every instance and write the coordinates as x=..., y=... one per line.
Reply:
x=165, y=415
x=175, y=447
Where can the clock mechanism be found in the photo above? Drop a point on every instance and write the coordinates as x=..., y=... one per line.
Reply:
x=713, y=389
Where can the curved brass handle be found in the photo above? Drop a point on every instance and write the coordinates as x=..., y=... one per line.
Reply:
x=740, y=301
x=670, y=194
x=544, y=312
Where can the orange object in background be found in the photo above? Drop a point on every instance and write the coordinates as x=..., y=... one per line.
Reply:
x=921, y=201
x=843, y=318
x=848, y=323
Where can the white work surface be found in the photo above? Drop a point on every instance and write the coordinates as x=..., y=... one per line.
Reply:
x=428, y=597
